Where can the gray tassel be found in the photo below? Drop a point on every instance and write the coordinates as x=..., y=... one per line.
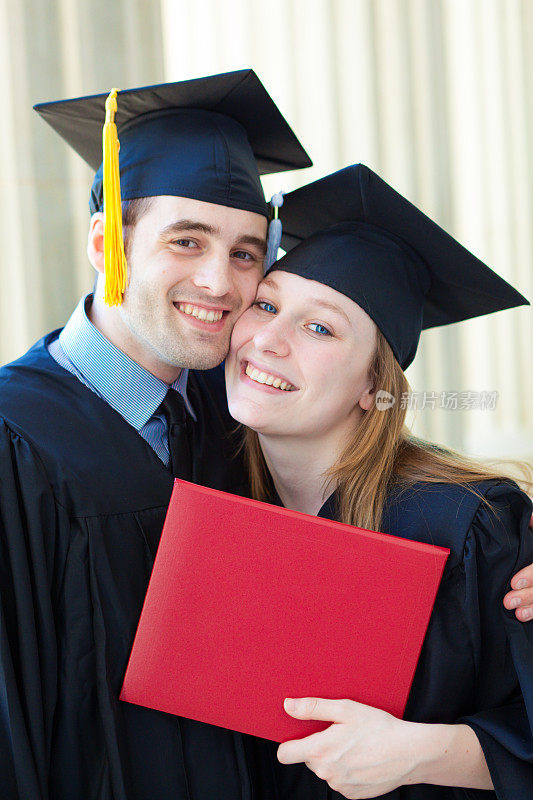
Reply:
x=274, y=231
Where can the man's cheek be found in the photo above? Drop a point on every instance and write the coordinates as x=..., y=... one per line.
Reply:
x=248, y=295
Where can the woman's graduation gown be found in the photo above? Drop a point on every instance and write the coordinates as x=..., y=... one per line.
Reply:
x=82, y=503
x=476, y=664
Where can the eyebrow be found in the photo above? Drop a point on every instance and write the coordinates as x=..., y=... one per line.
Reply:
x=189, y=225
x=270, y=282
x=182, y=225
x=330, y=307
x=313, y=301
x=256, y=241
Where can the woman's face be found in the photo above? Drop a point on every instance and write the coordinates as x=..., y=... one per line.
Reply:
x=299, y=359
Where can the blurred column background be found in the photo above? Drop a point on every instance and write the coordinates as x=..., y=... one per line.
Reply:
x=434, y=95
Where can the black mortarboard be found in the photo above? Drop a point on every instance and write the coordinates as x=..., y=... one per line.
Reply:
x=206, y=139
x=353, y=232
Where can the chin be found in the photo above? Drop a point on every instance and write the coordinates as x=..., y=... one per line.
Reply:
x=205, y=361
x=195, y=358
x=247, y=414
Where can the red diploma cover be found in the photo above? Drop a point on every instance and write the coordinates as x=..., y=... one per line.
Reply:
x=249, y=603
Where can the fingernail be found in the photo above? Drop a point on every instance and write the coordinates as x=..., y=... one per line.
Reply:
x=289, y=704
x=526, y=613
x=522, y=584
x=515, y=602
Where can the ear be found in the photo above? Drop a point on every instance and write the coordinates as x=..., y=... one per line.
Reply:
x=367, y=398
x=95, y=241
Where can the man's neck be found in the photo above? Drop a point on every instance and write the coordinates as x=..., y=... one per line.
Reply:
x=112, y=327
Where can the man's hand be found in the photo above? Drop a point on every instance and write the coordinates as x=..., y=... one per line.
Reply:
x=364, y=753
x=521, y=598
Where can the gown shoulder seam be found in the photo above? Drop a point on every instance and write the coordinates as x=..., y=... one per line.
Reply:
x=12, y=430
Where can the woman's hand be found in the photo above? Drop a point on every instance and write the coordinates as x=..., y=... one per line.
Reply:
x=367, y=752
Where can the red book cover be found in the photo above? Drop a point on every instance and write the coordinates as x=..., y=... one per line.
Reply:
x=249, y=603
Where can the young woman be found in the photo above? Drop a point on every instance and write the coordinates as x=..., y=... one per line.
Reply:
x=315, y=372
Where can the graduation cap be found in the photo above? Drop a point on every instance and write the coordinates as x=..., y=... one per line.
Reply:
x=207, y=139
x=355, y=233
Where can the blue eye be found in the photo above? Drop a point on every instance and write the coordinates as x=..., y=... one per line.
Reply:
x=321, y=329
x=264, y=306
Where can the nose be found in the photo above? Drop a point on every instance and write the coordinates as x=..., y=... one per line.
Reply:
x=273, y=337
x=213, y=274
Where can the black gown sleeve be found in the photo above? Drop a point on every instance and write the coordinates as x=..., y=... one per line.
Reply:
x=499, y=543
x=30, y=552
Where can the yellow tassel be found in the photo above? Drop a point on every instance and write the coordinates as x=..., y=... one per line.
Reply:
x=114, y=257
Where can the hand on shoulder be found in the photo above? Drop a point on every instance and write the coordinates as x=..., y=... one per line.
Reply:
x=521, y=596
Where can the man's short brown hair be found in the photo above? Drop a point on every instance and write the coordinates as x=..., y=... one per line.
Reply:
x=132, y=211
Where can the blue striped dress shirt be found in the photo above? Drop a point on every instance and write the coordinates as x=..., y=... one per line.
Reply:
x=128, y=388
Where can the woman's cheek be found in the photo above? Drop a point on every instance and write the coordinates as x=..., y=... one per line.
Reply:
x=242, y=330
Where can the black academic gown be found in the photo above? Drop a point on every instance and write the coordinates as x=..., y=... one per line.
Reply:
x=82, y=503
x=476, y=664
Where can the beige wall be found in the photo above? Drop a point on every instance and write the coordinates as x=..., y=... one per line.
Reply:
x=51, y=49
x=435, y=95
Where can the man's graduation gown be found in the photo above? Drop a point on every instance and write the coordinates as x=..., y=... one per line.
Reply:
x=82, y=503
x=476, y=664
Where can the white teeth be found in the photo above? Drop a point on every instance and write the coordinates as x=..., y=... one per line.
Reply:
x=265, y=377
x=200, y=313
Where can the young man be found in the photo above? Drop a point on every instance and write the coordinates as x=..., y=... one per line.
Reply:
x=95, y=422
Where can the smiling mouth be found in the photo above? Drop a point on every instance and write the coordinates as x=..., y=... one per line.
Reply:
x=268, y=379
x=203, y=314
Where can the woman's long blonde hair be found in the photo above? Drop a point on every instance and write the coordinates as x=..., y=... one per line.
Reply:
x=381, y=453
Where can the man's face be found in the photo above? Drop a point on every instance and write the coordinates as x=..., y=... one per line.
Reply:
x=193, y=268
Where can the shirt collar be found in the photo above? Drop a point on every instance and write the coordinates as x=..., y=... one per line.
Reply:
x=128, y=388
